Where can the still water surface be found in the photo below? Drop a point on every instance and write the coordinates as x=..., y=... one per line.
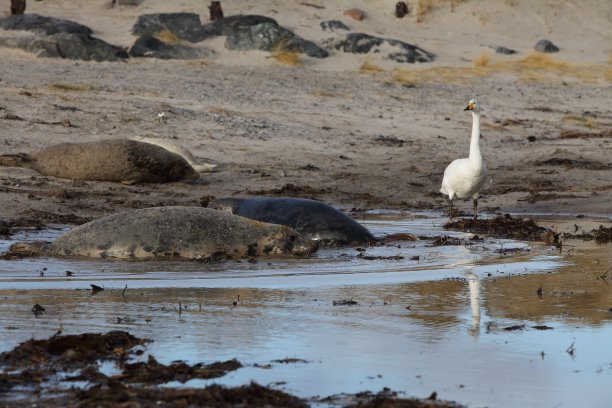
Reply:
x=436, y=323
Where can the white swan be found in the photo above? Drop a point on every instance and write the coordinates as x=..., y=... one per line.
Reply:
x=464, y=178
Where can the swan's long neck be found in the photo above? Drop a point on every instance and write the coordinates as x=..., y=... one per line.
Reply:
x=475, y=142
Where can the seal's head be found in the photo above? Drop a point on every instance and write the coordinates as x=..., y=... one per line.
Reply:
x=29, y=249
x=181, y=170
x=288, y=241
x=226, y=204
x=304, y=247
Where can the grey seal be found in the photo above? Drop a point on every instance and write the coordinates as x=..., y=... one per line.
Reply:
x=118, y=160
x=186, y=233
x=313, y=219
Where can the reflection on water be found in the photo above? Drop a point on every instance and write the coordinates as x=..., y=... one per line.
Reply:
x=437, y=323
x=474, y=286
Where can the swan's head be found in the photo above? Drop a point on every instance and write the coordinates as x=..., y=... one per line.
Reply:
x=473, y=106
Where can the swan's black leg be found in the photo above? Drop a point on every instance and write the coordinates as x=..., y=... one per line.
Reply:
x=450, y=210
x=475, y=209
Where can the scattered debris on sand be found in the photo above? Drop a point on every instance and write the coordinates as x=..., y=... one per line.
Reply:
x=502, y=226
x=573, y=134
x=345, y=302
x=534, y=197
x=601, y=235
x=400, y=236
x=291, y=190
x=290, y=361
x=387, y=399
x=574, y=163
x=362, y=255
x=446, y=241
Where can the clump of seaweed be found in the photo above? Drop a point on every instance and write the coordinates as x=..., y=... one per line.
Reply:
x=600, y=235
x=502, y=226
x=62, y=351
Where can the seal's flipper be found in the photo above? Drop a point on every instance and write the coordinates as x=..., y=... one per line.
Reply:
x=205, y=167
x=15, y=160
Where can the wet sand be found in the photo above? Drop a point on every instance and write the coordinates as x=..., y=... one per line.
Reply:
x=355, y=131
x=362, y=150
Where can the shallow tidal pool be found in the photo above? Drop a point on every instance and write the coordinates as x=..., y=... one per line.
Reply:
x=492, y=323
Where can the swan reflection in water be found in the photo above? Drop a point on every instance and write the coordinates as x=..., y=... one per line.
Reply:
x=474, y=287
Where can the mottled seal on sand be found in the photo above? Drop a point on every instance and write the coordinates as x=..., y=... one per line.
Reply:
x=313, y=219
x=192, y=233
x=119, y=160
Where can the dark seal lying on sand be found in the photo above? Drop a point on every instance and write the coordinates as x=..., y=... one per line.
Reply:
x=313, y=219
x=191, y=233
x=118, y=160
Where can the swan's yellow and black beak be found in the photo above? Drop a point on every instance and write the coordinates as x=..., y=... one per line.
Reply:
x=469, y=107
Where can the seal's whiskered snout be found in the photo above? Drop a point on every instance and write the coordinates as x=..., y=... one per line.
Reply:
x=188, y=171
x=29, y=248
x=303, y=246
x=229, y=205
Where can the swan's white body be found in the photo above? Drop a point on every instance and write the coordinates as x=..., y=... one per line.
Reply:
x=464, y=178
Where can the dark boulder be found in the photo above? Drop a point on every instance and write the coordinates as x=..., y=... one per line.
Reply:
x=360, y=43
x=244, y=32
x=186, y=26
x=231, y=24
x=66, y=45
x=270, y=36
x=504, y=50
x=58, y=38
x=333, y=25
x=148, y=46
x=546, y=46
x=43, y=25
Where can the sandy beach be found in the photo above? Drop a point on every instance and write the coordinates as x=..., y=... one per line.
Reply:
x=355, y=131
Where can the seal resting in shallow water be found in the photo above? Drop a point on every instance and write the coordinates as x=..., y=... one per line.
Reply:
x=172, y=233
x=313, y=219
x=126, y=161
